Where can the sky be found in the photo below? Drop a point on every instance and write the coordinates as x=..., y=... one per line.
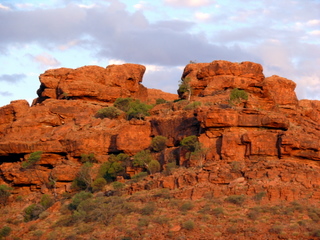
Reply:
x=163, y=35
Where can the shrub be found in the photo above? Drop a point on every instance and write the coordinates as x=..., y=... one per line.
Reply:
x=148, y=209
x=78, y=198
x=111, y=169
x=4, y=193
x=5, y=232
x=160, y=101
x=158, y=143
x=237, y=95
x=193, y=105
x=98, y=184
x=185, y=87
x=190, y=143
x=32, y=212
x=142, y=158
x=188, y=225
x=123, y=103
x=88, y=158
x=153, y=166
x=217, y=211
x=259, y=196
x=133, y=108
x=186, y=206
x=236, y=199
x=138, y=110
x=33, y=158
x=109, y=112
x=139, y=176
x=83, y=178
x=276, y=229
x=46, y=201
x=118, y=185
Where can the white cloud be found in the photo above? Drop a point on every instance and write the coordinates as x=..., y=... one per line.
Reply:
x=116, y=62
x=313, y=22
x=4, y=7
x=202, y=16
x=46, y=60
x=189, y=3
x=141, y=5
x=68, y=45
x=315, y=33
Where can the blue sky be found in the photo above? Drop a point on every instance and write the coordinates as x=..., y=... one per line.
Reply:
x=163, y=35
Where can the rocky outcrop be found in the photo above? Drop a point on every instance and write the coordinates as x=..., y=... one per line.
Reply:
x=268, y=125
x=93, y=83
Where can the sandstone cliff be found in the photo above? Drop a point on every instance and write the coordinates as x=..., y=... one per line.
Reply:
x=269, y=126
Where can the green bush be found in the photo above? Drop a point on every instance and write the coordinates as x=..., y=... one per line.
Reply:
x=88, y=158
x=83, y=178
x=98, y=184
x=118, y=185
x=78, y=198
x=142, y=158
x=190, y=143
x=32, y=212
x=237, y=95
x=217, y=211
x=158, y=143
x=139, y=176
x=148, y=209
x=186, y=206
x=33, y=158
x=193, y=105
x=111, y=169
x=133, y=108
x=46, y=201
x=188, y=225
x=5, y=192
x=138, y=110
x=5, y=232
x=185, y=87
x=123, y=103
x=236, y=199
x=108, y=112
x=160, y=101
x=153, y=166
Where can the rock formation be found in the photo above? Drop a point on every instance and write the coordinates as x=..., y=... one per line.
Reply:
x=269, y=125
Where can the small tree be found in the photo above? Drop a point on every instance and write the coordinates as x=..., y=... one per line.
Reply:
x=109, y=112
x=142, y=158
x=158, y=143
x=98, y=184
x=154, y=166
x=190, y=143
x=46, y=201
x=237, y=95
x=83, y=179
x=123, y=104
x=185, y=87
x=88, y=158
x=5, y=192
x=33, y=158
x=111, y=169
x=32, y=212
x=5, y=232
x=195, y=149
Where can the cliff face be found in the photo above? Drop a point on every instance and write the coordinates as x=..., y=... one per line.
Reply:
x=271, y=136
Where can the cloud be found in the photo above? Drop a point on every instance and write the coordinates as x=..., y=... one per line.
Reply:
x=189, y=3
x=4, y=7
x=202, y=16
x=45, y=60
x=12, y=78
x=315, y=32
x=5, y=94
